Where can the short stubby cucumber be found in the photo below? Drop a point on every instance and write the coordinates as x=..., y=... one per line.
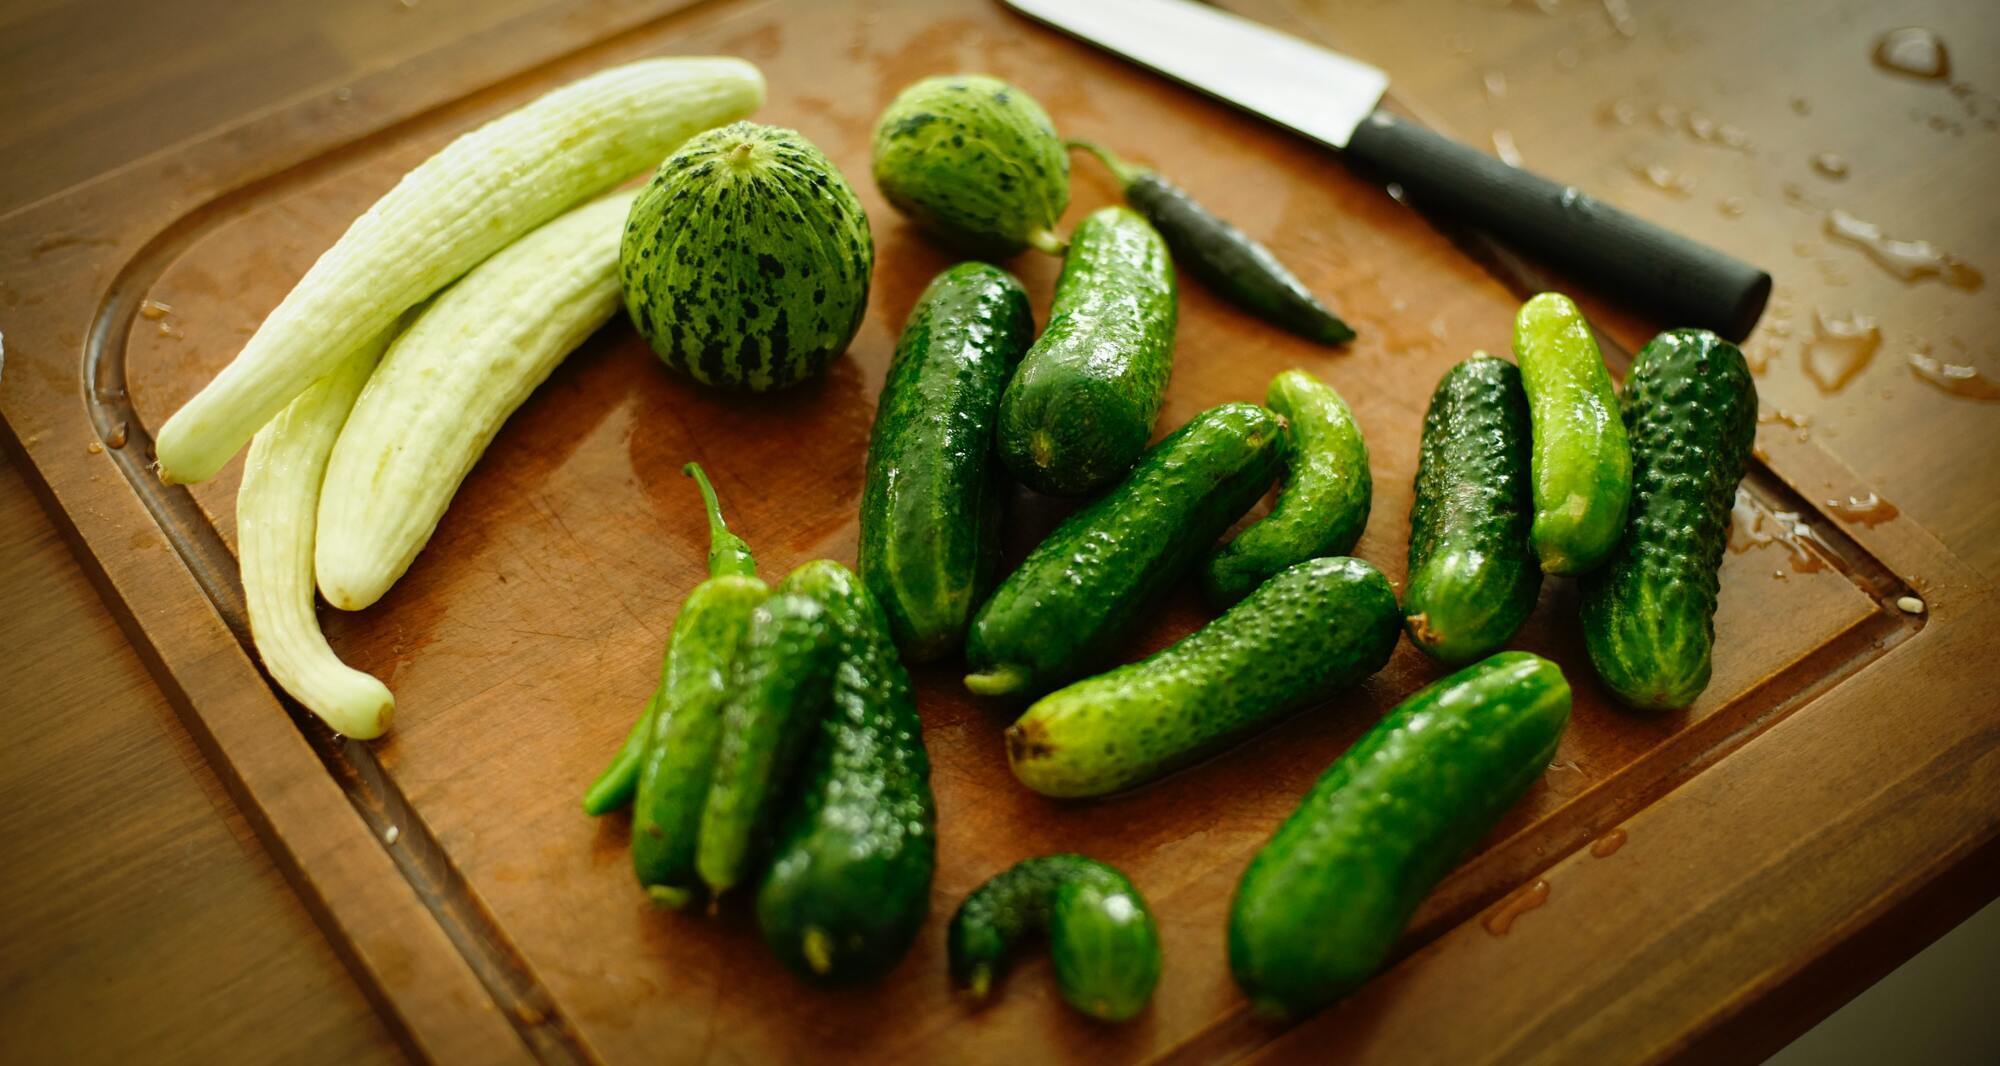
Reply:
x=849, y=880
x=975, y=162
x=1101, y=933
x=931, y=506
x=1582, y=461
x=1085, y=587
x=1302, y=636
x=1649, y=614
x=746, y=260
x=1081, y=407
x=1323, y=506
x=1322, y=905
x=1472, y=574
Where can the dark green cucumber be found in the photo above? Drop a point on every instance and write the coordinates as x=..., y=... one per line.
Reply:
x=1082, y=589
x=1323, y=506
x=778, y=687
x=1081, y=406
x=1321, y=906
x=1649, y=614
x=1101, y=933
x=1582, y=461
x=930, y=511
x=849, y=881
x=1299, y=638
x=1472, y=576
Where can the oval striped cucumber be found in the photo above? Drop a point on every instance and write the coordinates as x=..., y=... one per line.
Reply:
x=1101, y=933
x=1649, y=614
x=1473, y=578
x=1582, y=461
x=1084, y=588
x=1321, y=906
x=930, y=510
x=1302, y=636
x=975, y=162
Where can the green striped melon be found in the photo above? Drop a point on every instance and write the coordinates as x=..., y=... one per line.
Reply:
x=975, y=162
x=746, y=260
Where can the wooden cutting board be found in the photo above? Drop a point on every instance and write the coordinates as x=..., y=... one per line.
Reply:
x=492, y=921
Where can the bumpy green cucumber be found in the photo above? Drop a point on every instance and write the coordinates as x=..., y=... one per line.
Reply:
x=1081, y=407
x=1321, y=906
x=930, y=511
x=1300, y=637
x=1582, y=461
x=1082, y=589
x=1106, y=947
x=1472, y=575
x=849, y=880
x=778, y=689
x=1323, y=506
x=1649, y=614
x=975, y=162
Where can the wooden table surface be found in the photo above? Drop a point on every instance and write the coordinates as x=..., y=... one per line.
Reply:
x=139, y=914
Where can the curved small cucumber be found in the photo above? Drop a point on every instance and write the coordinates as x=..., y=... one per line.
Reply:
x=777, y=693
x=930, y=511
x=1081, y=407
x=850, y=879
x=1582, y=461
x=1649, y=614
x=1081, y=590
x=1323, y=506
x=1106, y=946
x=1321, y=906
x=1300, y=637
x=1473, y=578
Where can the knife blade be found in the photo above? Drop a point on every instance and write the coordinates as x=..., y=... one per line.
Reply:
x=1335, y=100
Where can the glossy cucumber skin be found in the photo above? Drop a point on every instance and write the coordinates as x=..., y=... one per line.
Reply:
x=1082, y=589
x=1314, y=629
x=1082, y=403
x=1582, y=460
x=1101, y=933
x=1649, y=614
x=849, y=880
x=1322, y=905
x=931, y=506
x=778, y=689
x=1472, y=575
x=1322, y=507
x=674, y=778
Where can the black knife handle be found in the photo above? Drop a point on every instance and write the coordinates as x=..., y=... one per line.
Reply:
x=1628, y=258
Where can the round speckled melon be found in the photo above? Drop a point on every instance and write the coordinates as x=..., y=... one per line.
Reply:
x=746, y=260
x=975, y=162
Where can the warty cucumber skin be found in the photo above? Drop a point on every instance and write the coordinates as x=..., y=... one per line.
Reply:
x=975, y=162
x=1322, y=905
x=849, y=880
x=1582, y=461
x=1472, y=574
x=1323, y=505
x=1649, y=614
x=1314, y=629
x=1105, y=943
x=931, y=505
x=1082, y=404
x=1084, y=587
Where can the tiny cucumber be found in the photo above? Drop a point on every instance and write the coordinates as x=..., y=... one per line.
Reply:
x=1321, y=906
x=1582, y=460
x=778, y=686
x=975, y=162
x=1302, y=636
x=931, y=506
x=1323, y=505
x=1082, y=404
x=1649, y=614
x=1473, y=578
x=1085, y=587
x=1101, y=933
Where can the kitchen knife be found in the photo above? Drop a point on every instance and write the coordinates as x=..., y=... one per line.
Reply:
x=1333, y=99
